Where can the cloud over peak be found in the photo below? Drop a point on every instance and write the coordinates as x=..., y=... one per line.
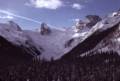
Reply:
x=48, y=4
x=77, y=6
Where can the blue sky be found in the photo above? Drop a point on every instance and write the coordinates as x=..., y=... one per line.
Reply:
x=58, y=13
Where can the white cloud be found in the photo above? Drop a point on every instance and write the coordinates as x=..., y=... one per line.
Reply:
x=76, y=20
x=77, y=6
x=6, y=17
x=10, y=15
x=49, y=4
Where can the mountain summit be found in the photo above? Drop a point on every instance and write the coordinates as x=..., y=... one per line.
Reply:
x=103, y=37
x=92, y=35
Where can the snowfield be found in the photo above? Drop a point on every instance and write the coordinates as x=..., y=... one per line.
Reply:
x=53, y=44
x=111, y=42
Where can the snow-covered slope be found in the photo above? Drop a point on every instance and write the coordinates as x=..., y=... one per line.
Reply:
x=111, y=41
x=104, y=36
x=53, y=45
x=12, y=34
x=50, y=46
x=15, y=35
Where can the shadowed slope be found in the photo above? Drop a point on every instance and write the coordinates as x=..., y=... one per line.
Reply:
x=89, y=43
x=12, y=54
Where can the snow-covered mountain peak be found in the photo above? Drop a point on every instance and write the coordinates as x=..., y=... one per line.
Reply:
x=12, y=32
x=116, y=13
x=46, y=29
x=50, y=42
x=54, y=42
x=104, y=25
x=14, y=25
x=111, y=41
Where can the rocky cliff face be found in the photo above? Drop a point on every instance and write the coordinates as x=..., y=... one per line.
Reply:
x=96, y=37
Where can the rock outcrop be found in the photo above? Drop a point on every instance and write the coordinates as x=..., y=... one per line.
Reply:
x=45, y=30
x=92, y=20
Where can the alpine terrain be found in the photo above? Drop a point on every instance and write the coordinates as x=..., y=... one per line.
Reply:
x=88, y=51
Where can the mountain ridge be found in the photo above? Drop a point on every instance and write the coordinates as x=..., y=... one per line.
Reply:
x=50, y=43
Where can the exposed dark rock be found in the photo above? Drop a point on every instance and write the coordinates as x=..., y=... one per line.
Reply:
x=16, y=26
x=45, y=30
x=89, y=43
x=69, y=42
x=93, y=19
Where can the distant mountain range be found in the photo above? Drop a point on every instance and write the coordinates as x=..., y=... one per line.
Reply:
x=46, y=43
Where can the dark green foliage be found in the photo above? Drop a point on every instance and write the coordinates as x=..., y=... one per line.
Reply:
x=11, y=54
x=98, y=67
